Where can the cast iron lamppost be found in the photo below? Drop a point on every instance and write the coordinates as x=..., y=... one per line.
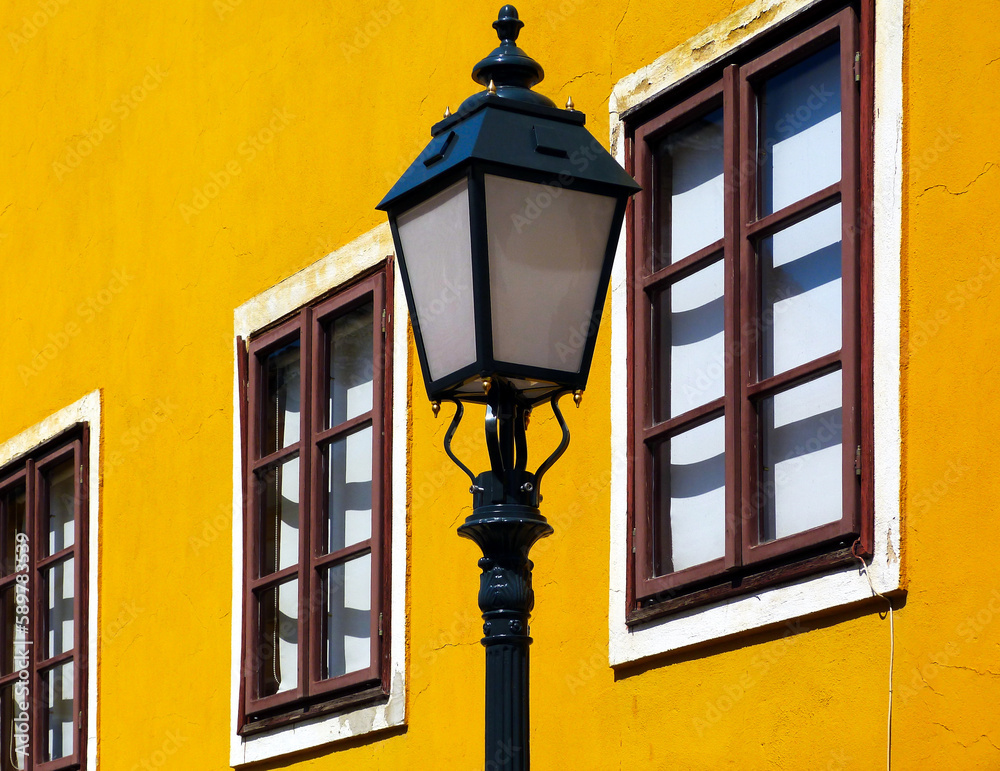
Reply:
x=505, y=228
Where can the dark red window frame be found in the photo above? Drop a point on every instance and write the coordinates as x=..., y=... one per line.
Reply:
x=749, y=565
x=314, y=695
x=29, y=472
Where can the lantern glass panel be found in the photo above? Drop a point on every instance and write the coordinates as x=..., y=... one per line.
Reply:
x=546, y=253
x=436, y=241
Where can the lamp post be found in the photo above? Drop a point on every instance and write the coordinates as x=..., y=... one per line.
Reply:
x=505, y=227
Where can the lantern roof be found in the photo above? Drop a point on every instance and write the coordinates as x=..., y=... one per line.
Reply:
x=511, y=127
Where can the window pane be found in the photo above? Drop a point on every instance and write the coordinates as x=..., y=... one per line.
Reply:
x=802, y=458
x=61, y=496
x=8, y=615
x=280, y=400
x=347, y=589
x=13, y=728
x=351, y=367
x=278, y=493
x=12, y=506
x=689, y=181
x=801, y=292
x=800, y=130
x=14, y=654
x=694, y=374
x=277, y=652
x=57, y=732
x=689, y=487
x=15, y=731
x=349, y=490
x=59, y=593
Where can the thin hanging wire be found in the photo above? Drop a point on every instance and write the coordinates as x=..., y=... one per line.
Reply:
x=892, y=651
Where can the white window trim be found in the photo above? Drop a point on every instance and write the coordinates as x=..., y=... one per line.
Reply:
x=335, y=269
x=86, y=410
x=818, y=594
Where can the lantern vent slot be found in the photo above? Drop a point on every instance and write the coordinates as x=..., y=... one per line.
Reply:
x=439, y=147
x=549, y=141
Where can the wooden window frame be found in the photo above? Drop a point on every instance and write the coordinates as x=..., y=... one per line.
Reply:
x=30, y=471
x=731, y=84
x=313, y=695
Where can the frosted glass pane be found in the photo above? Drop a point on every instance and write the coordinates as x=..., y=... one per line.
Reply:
x=690, y=489
x=59, y=591
x=694, y=373
x=437, y=253
x=57, y=685
x=347, y=639
x=802, y=458
x=690, y=187
x=14, y=512
x=279, y=496
x=281, y=399
x=351, y=366
x=801, y=288
x=61, y=497
x=349, y=490
x=279, y=639
x=800, y=130
x=547, y=248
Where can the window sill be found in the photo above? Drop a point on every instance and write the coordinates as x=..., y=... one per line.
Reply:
x=657, y=634
x=724, y=588
x=371, y=696
x=317, y=729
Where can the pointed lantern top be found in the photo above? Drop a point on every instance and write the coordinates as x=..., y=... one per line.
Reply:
x=508, y=67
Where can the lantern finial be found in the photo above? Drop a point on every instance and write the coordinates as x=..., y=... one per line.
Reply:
x=508, y=25
x=507, y=65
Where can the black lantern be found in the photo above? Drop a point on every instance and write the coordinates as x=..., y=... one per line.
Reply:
x=505, y=227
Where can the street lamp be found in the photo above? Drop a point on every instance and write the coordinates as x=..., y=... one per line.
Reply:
x=505, y=227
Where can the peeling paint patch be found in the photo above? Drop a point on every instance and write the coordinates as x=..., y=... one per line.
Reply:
x=702, y=49
x=751, y=26
x=335, y=269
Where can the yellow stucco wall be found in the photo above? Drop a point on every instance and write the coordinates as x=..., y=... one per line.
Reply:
x=164, y=162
